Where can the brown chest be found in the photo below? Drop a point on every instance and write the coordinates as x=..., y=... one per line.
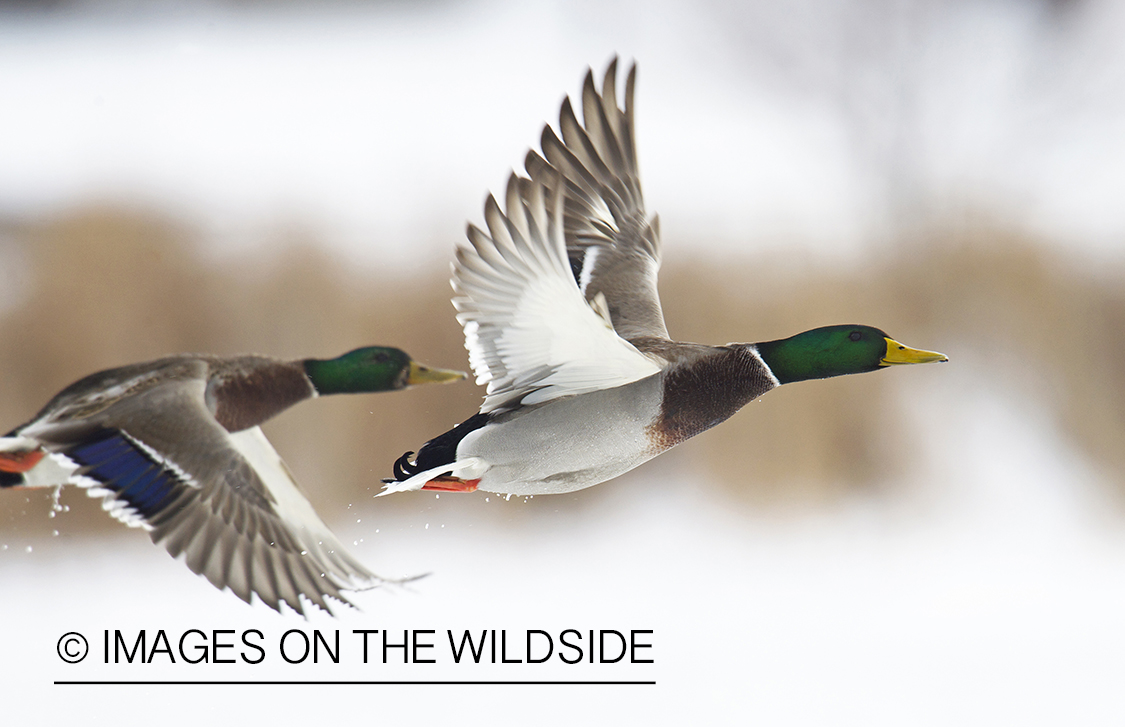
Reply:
x=243, y=399
x=699, y=394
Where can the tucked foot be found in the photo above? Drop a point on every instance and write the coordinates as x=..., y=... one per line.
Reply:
x=23, y=461
x=451, y=484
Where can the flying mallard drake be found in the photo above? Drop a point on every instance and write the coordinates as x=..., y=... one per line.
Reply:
x=562, y=321
x=174, y=446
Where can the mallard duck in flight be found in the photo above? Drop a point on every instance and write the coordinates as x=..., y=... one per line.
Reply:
x=174, y=446
x=562, y=321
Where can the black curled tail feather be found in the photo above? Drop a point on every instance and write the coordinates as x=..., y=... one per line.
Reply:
x=403, y=469
x=439, y=450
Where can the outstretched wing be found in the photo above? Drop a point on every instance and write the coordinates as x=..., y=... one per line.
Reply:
x=225, y=502
x=531, y=335
x=613, y=248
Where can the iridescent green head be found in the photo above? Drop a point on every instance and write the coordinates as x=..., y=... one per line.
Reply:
x=370, y=369
x=838, y=350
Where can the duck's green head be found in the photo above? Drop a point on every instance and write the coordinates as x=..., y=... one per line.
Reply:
x=838, y=350
x=374, y=368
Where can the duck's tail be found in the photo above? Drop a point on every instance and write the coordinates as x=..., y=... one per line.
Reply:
x=18, y=455
x=25, y=463
x=437, y=458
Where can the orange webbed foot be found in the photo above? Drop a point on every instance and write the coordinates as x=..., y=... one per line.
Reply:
x=451, y=484
x=19, y=462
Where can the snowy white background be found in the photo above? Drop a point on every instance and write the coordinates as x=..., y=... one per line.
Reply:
x=990, y=590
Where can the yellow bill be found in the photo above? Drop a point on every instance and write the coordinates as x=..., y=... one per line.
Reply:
x=898, y=354
x=419, y=374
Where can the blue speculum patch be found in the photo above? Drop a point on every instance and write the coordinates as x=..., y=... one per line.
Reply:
x=130, y=472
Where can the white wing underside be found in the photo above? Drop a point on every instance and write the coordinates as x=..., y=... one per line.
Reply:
x=530, y=333
x=291, y=505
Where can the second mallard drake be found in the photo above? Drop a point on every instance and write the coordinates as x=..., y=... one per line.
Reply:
x=174, y=446
x=563, y=323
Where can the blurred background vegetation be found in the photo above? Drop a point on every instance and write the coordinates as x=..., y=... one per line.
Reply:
x=102, y=286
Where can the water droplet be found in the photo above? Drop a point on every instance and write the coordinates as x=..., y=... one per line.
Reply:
x=507, y=497
x=359, y=520
x=55, y=533
x=427, y=526
x=29, y=549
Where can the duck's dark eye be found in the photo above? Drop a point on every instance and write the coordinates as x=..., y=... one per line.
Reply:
x=855, y=335
x=381, y=357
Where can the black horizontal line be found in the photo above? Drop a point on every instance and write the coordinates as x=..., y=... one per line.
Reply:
x=466, y=682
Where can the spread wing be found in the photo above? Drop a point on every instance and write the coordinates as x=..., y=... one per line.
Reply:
x=613, y=248
x=531, y=335
x=225, y=502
